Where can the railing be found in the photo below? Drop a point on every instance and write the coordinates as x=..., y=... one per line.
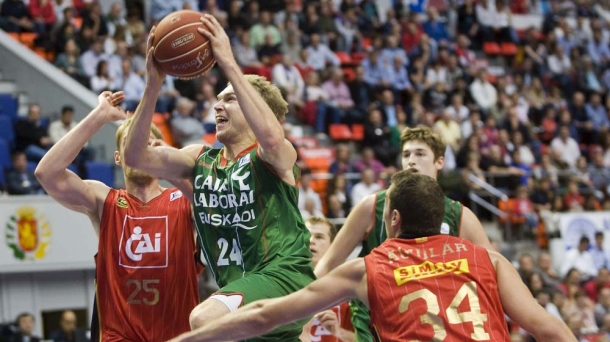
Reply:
x=496, y=193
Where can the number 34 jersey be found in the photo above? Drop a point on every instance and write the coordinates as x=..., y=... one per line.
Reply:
x=146, y=276
x=439, y=288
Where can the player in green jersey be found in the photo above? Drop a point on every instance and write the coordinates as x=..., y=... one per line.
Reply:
x=422, y=152
x=244, y=195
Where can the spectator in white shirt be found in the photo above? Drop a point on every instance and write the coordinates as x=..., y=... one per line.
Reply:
x=559, y=62
x=564, y=148
x=347, y=25
x=101, y=81
x=483, y=92
x=597, y=252
x=437, y=73
x=245, y=54
x=93, y=56
x=115, y=69
x=458, y=111
x=469, y=126
x=365, y=187
x=61, y=127
x=306, y=193
x=186, y=129
x=580, y=259
x=318, y=54
x=131, y=84
x=288, y=78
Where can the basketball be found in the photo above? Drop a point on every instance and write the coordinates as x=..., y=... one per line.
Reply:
x=180, y=50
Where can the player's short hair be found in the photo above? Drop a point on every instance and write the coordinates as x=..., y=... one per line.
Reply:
x=270, y=94
x=332, y=229
x=120, y=132
x=420, y=201
x=427, y=136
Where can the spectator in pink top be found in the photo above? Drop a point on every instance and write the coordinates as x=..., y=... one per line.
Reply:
x=368, y=161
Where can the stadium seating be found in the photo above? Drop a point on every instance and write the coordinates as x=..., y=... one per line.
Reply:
x=6, y=130
x=31, y=166
x=8, y=105
x=2, y=179
x=100, y=171
x=5, y=155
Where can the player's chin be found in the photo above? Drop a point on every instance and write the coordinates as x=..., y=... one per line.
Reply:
x=139, y=177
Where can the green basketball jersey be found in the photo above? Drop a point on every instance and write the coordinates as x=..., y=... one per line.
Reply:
x=247, y=218
x=451, y=225
x=378, y=234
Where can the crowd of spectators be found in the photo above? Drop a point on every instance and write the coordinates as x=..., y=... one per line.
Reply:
x=524, y=108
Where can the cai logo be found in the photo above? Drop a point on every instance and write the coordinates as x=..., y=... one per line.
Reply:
x=28, y=235
x=144, y=242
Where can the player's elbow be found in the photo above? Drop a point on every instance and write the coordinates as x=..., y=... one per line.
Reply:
x=196, y=319
x=43, y=174
x=265, y=320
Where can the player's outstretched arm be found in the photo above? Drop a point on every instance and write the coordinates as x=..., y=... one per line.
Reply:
x=521, y=307
x=358, y=223
x=52, y=172
x=163, y=162
x=273, y=147
x=347, y=281
x=472, y=230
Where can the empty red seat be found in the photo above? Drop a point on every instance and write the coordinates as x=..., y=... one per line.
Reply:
x=509, y=49
x=491, y=48
x=340, y=132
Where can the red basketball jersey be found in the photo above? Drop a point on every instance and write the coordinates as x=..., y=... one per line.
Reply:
x=318, y=333
x=146, y=276
x=440, y=288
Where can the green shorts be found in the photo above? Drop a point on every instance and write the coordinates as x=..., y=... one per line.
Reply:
x=264, y=285
x=361, y=320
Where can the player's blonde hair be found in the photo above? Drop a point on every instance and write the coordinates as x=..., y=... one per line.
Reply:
x=120, y=132
x=271, y=95
x=332, y=229
x=427, y=136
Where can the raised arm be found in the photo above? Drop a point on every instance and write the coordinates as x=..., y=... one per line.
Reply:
x=273, y=147
x=471, y=229
x=163, y=162
x=67, y=188
x=521, y=307
x=347, y=281
x=359, y=222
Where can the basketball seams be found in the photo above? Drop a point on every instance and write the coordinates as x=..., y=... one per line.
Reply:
x=182, y=55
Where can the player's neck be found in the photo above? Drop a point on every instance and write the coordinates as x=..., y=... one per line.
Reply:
x=232, y=150
x=144, y=193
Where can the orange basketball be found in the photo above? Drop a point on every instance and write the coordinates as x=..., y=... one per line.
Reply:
x=180, y=50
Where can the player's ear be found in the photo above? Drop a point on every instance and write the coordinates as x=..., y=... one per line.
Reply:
x=395, y=223
x=117, y=158
x=440, y=163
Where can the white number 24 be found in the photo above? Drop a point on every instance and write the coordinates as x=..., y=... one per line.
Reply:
x=234, y=255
